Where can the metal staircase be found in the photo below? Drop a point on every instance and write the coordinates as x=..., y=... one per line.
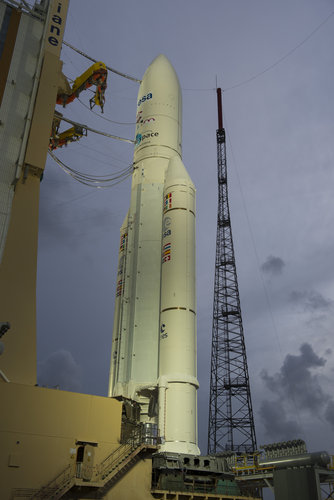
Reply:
x=104, y=475
x=118, y=463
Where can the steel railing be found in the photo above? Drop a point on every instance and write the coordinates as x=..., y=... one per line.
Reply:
x=104, y=472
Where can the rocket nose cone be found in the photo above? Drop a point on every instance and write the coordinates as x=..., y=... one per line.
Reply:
x=161, y=59
x=177, y=170
x=159, y=70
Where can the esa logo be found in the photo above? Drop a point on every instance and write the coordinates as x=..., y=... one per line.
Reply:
x=165, y=228
x=145, y=98
x=163, y=333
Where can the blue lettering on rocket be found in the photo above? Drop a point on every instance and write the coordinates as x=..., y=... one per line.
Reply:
x=145, y=98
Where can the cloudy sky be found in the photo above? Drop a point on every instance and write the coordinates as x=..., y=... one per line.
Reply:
x=274, y=61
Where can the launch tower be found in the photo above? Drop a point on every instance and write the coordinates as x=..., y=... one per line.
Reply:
x=231, y=423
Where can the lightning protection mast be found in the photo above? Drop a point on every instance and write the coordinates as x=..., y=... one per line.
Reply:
x=231, y=423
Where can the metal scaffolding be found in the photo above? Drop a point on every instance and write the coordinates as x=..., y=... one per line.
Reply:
x=231, y=423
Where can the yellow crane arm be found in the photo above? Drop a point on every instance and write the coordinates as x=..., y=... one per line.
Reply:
x=94, y=75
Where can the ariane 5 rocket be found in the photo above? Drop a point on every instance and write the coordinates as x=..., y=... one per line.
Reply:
x=154, y=358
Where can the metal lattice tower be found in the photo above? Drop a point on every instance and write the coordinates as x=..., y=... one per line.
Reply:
x=231, y=423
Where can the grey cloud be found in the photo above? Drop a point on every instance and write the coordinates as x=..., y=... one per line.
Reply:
x=64, y=222
x=54, y=223
x=276, y=423
x=329, y=413
x=273, y=266
x=295, y=388
x=310, y=300
x=60, y=369
x=296, y=380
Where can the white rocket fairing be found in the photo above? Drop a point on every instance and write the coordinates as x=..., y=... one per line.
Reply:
x=154, y=338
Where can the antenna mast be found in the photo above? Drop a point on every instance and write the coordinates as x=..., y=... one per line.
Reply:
x=231, y=423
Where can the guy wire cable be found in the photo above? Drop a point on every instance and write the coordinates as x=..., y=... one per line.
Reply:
x=92, y=181
x=124, y=75
x=103, y=117
x=97, y=131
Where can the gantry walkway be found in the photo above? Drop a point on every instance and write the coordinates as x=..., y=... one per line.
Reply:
x=103, y=477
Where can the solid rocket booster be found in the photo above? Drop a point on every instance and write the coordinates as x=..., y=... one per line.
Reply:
x=154, y=338
x=177, y=354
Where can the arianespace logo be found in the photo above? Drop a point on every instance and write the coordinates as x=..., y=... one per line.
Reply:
x=138, y=139
x=141, y=137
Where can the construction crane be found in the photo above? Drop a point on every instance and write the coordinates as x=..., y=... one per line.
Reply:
x=94, y=75
x=231, y=423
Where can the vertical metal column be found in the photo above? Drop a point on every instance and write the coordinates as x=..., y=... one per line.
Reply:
x=231, y=423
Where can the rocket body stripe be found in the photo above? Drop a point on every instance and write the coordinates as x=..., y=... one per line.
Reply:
x=154, y=336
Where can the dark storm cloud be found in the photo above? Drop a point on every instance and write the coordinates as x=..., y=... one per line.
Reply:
x=64, y=217
x=296, y=380
x=311, y=300
x=298, y=388
x=329, y=413
x=53, y=214
x=52, y=224
x=60, y=370
x=273, y=266
x=276, y=423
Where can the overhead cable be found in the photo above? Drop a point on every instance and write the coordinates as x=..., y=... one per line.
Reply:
x=107, y=155
x=99, y=181
x=250, y=79
x=97, y=131
x=271, y=66
x=124, y=75
x=199, y=90
x=99, y=160
x=103, y=117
